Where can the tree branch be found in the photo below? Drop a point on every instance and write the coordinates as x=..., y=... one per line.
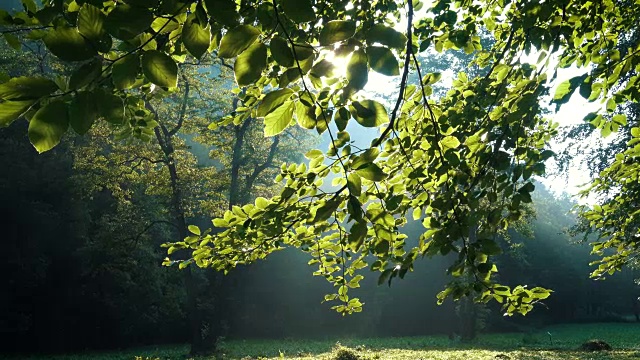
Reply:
x=183, y=109
x=405, y=74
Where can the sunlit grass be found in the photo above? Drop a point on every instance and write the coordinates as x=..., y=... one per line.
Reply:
x=563, y=343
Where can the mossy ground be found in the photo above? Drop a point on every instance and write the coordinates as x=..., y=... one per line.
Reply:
x=564, y=343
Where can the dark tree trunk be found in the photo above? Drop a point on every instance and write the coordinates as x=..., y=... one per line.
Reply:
x=203, y=341
x=236, y=163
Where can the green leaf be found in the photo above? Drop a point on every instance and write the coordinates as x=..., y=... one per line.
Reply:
x=160, y=69
x=385, y=274
x=372, y=172
x=281, y=52
x=91, y=23
x=236, y=40
x=126, y=22
x=357, y=234
x=85, y=74
x=250, y=64
x=450, y=142
x=288, y=77
x=30, y=5
x=223, y=11
x=273, y=100
x=485, y=267
x=305, y=116
x=323, y=68
x=279, y=119
x=489, y=247
x=164, y=26
x=194, y=230
x=83, y=112
x=327, y=209
x=365, y=158
x=11, y=110
x=382, y=60
x=13, y=41
x=298, y=10
x=357, y=70
x=220, y=223
x=48, y=125
x=25, y=88
x=196, y=38
x=369, y=113
x=67, y=44
x=335, y=31
x=620, y=119
x=342, y=118
x=110, y=107
x=125, y=71
x=354, y=184
x=312, y=154
x=386, y=36
x=567, y=88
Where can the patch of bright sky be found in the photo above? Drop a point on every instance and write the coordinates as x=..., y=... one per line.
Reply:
x=569, y=114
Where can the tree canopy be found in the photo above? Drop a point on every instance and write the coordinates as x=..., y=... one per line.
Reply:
x=462, y=163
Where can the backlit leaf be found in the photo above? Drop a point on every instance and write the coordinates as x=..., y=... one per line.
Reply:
x=223, y=11
x=372, y=172
x=13, y=41
x=450, y=142
x=305, y=116
x=236, y=40
x=110, y=107
x=194, y=230
x=369, y=113
x=159, y=68
x=337, y=30
x=85, y=74
x=279, y=119
x=385, y=35
x=566, y=89
x=250, y=64
x=126, y=21
x=354, y=184
x=67, y=44
x=125, y=71
x=272, y=100
x=23, y=88
x=358, y=70
x=11, y=110
x=281, y=52
x=48, y=125
x=298, y=10
x=83, y=112
x=196, y=38
x=382, y=60
x=91, y=22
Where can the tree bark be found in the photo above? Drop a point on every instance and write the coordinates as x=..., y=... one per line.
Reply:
x=200, y=342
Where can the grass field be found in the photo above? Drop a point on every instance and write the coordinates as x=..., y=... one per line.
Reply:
x=563, y=343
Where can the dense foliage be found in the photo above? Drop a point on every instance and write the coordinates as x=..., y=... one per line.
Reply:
x=461, y=162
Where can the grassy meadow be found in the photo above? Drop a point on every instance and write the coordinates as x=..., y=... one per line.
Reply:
x=563, y=343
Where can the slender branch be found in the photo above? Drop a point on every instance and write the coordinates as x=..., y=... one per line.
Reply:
x=183, y=109
x=24, y=29
x=405, y=74
x=262, y=167
x=148, y=227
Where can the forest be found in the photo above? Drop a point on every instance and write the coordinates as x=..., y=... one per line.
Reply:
x=311, y=179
